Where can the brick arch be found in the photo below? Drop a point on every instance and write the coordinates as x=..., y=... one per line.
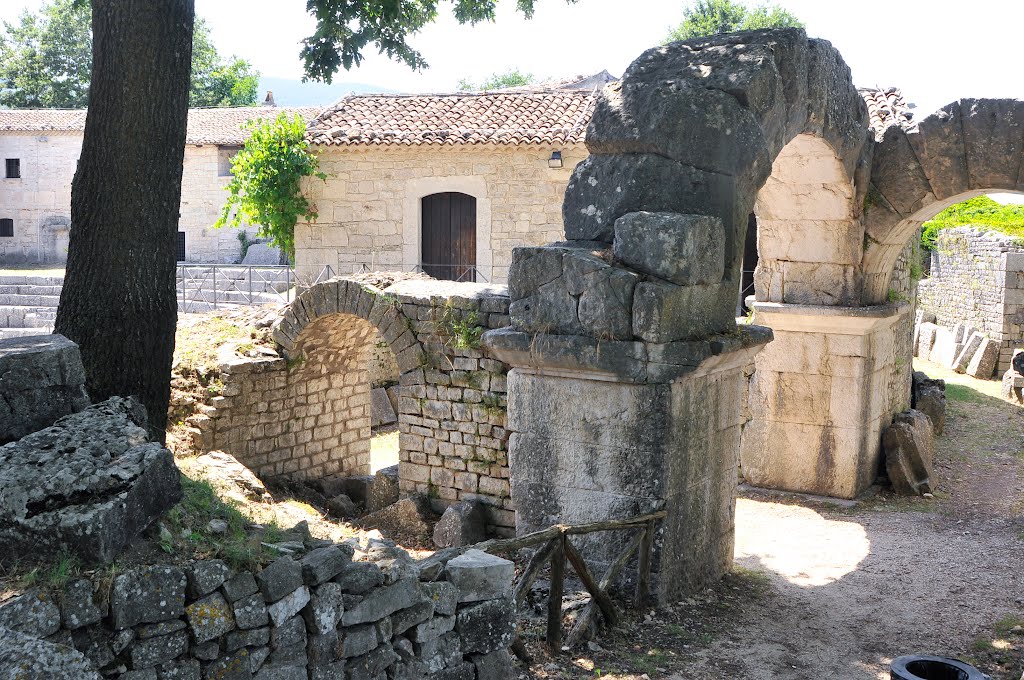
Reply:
x=965, y=149
x=327, y=334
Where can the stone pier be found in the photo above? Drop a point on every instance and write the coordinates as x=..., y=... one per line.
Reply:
x=822, y=394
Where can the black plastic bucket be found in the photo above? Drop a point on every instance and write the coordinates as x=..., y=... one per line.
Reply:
x=924, y=667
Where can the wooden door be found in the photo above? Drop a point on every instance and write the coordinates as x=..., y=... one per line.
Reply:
x=449, y=236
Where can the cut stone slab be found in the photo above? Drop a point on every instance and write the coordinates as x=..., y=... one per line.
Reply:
x=495, y=666
x=944, y=349
x=983, y=364
x=281, y=577
x=684, y=249
x=464, y=523
x=480, y=576
x=288, y=606
x=383, y=490
x=77, y=608
x=359, y=577
x=929, y=397
x=262, y=254
x=1013, y=382
x=909, y=447
x=486, y=627
x=157, y=650
x=32, y=613
x=383, y=602
x=964, y=356
x=41, y=380
x=147, y=595
x=925, y=339
x=325, y=563
x=205, y=577
x=87, y=485
x=381, y=410
x=209, y=618
x=22, y=656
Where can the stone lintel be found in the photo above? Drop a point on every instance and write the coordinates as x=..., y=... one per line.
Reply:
x=582, y=357
x=827, y=319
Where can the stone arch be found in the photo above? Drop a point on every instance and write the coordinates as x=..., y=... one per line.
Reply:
x=327, y=334
x=965, y=149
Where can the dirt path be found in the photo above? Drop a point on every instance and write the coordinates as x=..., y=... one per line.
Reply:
x=846, y=590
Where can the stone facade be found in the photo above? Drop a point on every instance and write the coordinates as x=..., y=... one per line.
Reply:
x=40, y=201
x=977, y=278
x=320, y=616
x=307, y=414
x=370, y=205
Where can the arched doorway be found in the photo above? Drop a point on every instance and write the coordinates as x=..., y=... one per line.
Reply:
x=448, y=236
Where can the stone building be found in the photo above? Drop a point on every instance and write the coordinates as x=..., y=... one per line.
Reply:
x=448, y=183
x=977, y=278
x=40, y=150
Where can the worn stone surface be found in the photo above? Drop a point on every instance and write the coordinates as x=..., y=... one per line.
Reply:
x=463, y=523
x=279, y=578
x=34, y=613
x=323, y=564
x=383, y=602
x=359, y=577
x=480, y=576
x=77, y=607
x=156, y=650
x=497, y=665
x=86, y=485
x=41, y=380
x=239, y=586
x=929, y=397
x=209, y=618
x=944, y=349
x=384, y=490
x=926, y=339
x=381, y=410
x=250, y=612
x=485, y=627
x=22, y=656
x=406, y=516
x=288, y=606
x=325, y=608
x=909, y=448
x=147, y=595
x=683, y=249
x=983, y=364
x=966, y=353
x=440, y=652
x=372, y=664
x=205, y=577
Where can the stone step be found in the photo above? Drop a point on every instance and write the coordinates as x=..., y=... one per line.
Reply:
x=30, y=280
x=27, y=289
x=24, y=332
x=17, y=299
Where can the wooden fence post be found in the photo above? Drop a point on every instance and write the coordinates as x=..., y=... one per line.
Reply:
x=554, y=634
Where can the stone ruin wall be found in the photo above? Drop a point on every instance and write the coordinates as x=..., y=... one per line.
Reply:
x=318, y=617
x=308, y=416
x=977, y=278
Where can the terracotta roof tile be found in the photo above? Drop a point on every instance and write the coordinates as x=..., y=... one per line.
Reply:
x=885, y=108
x=205, y=126
x=500, y=117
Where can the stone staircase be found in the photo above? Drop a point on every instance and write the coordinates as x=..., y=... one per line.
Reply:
x=28, y=303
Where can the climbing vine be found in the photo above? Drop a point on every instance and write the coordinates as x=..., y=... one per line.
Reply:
x=266, y=175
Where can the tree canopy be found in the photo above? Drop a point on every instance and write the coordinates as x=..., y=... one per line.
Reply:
x=983, y=212
x=46, y=62
x=711, y=17
x=499, y=81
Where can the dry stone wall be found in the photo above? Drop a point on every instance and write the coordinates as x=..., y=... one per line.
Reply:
x=977, y=279
x=321, y=616
x=307, y=414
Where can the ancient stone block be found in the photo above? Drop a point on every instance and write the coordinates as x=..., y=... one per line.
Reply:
x=325, y=608
x=683, y=249
x=372, y=664
x=359, y=577
x=254, y=637
x=86, y=485
x=926, y=333
x=34, y=613
x=279, y=578
x=22, y=656
x=234, y=666
x=77, y=607
x=929, y=397
x=938, y=143
x=665, y=312
x=463, y=523
x=908, y=444
x=944, y=349
x=250, y=612
x=147, y=595
x=480, y=576
x=966, y=353
x=487, y=626
x=382, y=412
x=289, y=633
x=983, y=364
x=404, y=619
x=440, y=652
x=323, y=564
x=209, y=618
x=357, y=640
x=383, y=490
x=157, y=650
x=383, y=602
x=239, y=586
x=1011, y=388
x=444, y=595
x=288, y=606
x=497, y=665
x=992, y=142
x=204, y=577
x=43, y=380
x=432, y=629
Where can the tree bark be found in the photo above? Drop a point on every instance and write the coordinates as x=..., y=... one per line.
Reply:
x=119, y=302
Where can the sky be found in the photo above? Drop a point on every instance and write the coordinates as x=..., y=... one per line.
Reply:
x=935, y=50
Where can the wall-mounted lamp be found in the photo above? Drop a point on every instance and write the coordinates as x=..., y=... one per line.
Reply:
x=556, y=159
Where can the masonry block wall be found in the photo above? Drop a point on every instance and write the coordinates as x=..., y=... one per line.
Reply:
x=370, y=204
x=977, y=277
x=307, y=415
x=39, y=201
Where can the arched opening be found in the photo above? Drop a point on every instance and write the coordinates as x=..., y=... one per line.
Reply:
x=448, y=236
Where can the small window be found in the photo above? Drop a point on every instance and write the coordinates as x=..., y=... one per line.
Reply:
x=13, y=167
x=181, y=246
x=6, y=228
x=226, y=154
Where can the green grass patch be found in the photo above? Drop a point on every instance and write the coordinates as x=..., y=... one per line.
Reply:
x=983, y=212
x=964, y=394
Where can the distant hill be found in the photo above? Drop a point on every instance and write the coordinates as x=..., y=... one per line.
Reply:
x=289, y=92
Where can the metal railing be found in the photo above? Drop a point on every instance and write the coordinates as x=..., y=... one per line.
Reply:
x=211, y=286
x=445, y=272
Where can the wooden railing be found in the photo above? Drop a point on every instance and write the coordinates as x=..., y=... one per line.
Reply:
x=556, y=548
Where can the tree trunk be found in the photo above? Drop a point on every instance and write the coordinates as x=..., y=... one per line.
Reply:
x=119, y=302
